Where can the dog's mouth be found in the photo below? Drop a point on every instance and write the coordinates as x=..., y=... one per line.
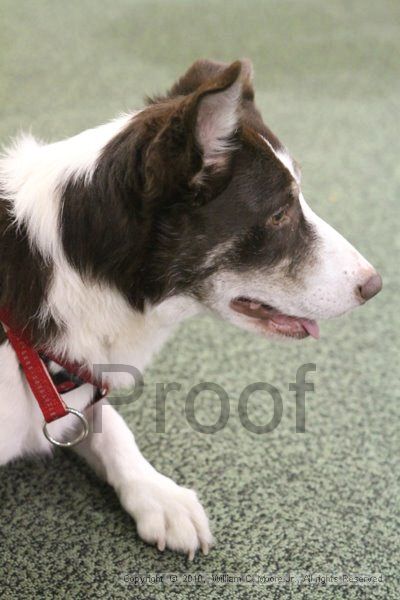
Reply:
x=273, y=321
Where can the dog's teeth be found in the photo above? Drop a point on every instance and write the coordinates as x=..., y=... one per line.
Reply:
x=255, y=305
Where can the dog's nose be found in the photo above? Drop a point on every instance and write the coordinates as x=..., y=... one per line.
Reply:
x=371, y=287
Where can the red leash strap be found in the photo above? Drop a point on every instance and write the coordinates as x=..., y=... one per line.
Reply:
x=50, y=402
x=78, y=370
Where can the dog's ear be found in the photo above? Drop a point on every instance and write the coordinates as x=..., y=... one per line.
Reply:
x=198, y=135
x=215, y=114
x=204, y=70
x=214, y=111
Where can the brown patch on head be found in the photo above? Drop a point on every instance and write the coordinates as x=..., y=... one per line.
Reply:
x=185, y=145
x=188, y=173
x=168, y=158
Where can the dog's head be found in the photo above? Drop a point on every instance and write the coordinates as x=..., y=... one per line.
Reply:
x=234, y=230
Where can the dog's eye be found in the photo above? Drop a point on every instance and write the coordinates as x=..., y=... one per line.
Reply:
x=279, y=217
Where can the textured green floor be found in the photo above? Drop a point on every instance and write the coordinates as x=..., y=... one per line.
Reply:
x=325, y=501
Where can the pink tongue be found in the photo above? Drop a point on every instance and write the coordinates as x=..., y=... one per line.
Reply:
x=311, y=327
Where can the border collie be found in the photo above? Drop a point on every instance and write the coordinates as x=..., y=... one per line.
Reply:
x=110, y=238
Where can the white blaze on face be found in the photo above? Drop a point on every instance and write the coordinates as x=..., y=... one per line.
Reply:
x=283, y=156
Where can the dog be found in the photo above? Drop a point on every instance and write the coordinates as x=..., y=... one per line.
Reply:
x=112, y=237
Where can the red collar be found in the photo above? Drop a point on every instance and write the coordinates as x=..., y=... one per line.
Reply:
x=47, y=396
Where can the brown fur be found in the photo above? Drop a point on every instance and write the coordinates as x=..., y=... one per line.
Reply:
x=24, y=278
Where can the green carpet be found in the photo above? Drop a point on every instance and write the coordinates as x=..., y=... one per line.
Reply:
x=322, y=502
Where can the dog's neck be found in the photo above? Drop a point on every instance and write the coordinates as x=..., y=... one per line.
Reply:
x=95, y=323
x=102, y=328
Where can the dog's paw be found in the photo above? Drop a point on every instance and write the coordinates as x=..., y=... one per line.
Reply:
x=167, y=515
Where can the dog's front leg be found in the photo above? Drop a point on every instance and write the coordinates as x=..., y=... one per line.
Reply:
x=166, y=514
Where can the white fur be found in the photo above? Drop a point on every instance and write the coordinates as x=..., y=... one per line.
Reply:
x=166, y=514
x=333, y=282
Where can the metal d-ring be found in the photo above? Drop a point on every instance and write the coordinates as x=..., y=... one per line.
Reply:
x=82, y=435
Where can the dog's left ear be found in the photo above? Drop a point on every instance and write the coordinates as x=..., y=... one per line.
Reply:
x=215, y=108
x=215, y=112
x=198, y=136
x=204, y=70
